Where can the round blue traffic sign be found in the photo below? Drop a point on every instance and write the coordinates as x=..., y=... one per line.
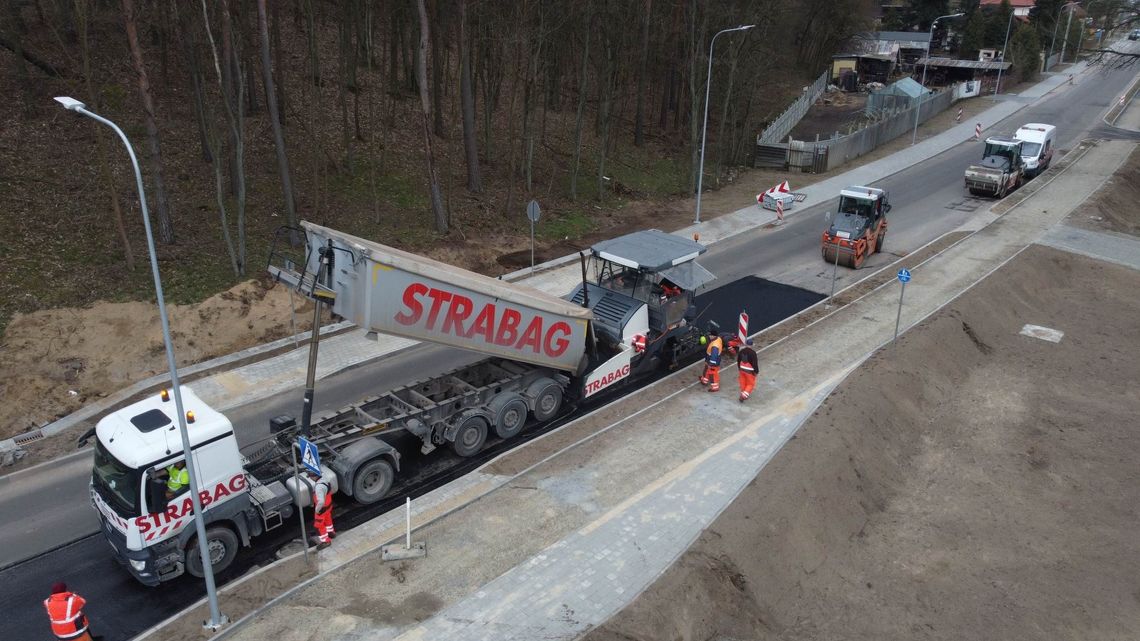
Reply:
x=904, y=275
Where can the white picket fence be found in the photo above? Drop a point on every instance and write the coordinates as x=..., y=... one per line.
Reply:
x=787, y=121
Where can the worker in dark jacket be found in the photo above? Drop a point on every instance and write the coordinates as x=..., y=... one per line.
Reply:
x=748, y=367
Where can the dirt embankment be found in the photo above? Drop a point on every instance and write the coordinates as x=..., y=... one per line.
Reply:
x=969, y=483
x=1116, y=207
x=54, y=361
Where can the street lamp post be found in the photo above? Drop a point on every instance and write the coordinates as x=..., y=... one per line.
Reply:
x=705, y=127
x=1057, y=23
x=1008, y=24
x=217, y=620
x=918, y=107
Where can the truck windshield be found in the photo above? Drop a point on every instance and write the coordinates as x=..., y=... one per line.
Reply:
x=1030, y=148
x=999, y=150
x=116, y=483
x=857, y=206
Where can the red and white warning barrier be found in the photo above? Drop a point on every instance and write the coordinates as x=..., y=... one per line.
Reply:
x=978, y=131
x=742, y=327
x=958, y=118
x=780, y=209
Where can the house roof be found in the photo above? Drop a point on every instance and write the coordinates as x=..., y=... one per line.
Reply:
x=964, y=64
x=906, y=36
x=904, y=87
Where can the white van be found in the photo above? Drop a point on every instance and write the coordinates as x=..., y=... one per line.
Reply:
x=1038, y=141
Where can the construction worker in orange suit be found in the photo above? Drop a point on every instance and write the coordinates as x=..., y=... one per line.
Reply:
x=714, y=347
x=65, y=611
x=747, y=366
x=322, y=511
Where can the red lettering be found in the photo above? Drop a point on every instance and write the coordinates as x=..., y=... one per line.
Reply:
x=187, y=507
x=460, y=309
x=508, y=327
x=220, y=491
x=532, y=336
x=484, y=324
x=143, y=524
x=553, y=346
x=204, y=498
x=237, y=483
x=438, y=298
x=415, y=307
x=171, y=514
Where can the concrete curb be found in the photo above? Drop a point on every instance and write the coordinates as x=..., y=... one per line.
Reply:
x=1126, y=100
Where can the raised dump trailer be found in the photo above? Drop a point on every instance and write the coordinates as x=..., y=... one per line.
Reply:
x=631, y=315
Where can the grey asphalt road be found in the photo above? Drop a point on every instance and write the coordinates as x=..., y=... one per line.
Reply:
x=47, y=507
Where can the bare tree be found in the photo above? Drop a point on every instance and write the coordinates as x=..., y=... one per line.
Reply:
x=467, y=103
x=639, y=117
x=582, y=79
x=82, y=11
x=439, y=213
x=275, y=120
x=162, y=205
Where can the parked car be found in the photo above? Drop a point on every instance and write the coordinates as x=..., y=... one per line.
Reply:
x=1134, y=34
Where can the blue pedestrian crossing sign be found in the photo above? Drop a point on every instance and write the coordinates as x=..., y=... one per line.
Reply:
x=904, y=275
x=309, y=456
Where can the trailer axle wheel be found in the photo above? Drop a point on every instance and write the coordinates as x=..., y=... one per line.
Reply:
x=509, y=411
x=372, y=481
x=470, y=436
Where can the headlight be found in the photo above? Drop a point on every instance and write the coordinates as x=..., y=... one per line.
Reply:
x=139, y=566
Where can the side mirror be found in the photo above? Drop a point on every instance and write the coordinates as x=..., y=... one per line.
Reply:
x=887, y=208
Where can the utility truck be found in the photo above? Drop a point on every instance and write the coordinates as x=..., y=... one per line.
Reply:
x=1001, y=171
x=631, y=315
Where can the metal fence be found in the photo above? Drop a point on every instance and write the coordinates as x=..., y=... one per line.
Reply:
x=788, y=120
x=823, y=155
x=1052, y=60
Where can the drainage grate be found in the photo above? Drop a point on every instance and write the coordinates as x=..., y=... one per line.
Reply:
x=28, y=437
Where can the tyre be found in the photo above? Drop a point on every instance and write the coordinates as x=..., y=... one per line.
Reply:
x=547, y=397
x=372, y=481
x=509, y=412
x=222, y=544
x=470, y=436
x=879, y=243
x=856, y=261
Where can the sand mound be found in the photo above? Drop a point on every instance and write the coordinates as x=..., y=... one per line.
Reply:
x=970, y=483
x=53, y=361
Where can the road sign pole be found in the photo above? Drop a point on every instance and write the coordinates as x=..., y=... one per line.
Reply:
x=300, y=511
x=532, y=246
x=533, y=211
x=898, y=316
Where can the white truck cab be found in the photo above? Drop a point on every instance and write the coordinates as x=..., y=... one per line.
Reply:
x=1038, y=141
x=149, y=527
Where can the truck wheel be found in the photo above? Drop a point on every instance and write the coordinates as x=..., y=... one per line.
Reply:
x=222, y=544
x=470, y=436
x=372, y=481
x=879, y=243
x=509, y=411
x=547, y=397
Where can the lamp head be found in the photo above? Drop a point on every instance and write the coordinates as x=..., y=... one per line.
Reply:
x=70, y=104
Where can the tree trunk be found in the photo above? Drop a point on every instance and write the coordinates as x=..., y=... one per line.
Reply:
x=437, y=67
x=162, y=205
x=696, y=40
x=277, y=112
x=344, y=38
x=275, y=117
x=467, y=101
x=721, y=145
x=216, y=145
x=425, y=104
x=582, y=79
x=639, y=117
x=81, y=12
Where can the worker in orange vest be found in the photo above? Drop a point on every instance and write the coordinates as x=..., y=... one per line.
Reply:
x=65, y=611
x=747, y=366
x=714, y=347
x=322, y=511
